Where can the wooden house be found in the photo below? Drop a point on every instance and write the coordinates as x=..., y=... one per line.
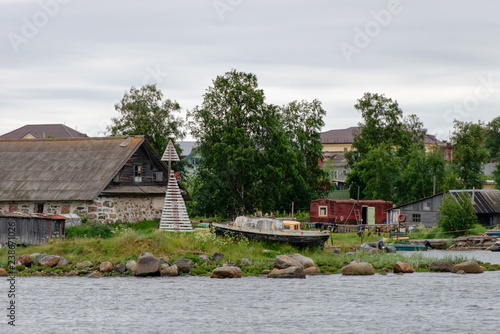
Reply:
x=349, y=212
x=426, y=211
x=113, y=179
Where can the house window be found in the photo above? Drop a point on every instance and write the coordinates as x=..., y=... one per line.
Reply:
x=323, y=211
x=195, y=161
x=138, y=173
x=158, y=176
x=415, y=217
x=39, y=208
x=344, y=172
x=336, y=174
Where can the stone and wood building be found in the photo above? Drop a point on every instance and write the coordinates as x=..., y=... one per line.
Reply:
x=108, y=179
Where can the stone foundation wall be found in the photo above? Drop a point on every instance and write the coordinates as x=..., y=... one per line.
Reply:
x=103, y=208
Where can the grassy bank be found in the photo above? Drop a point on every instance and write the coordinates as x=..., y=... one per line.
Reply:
x=119, y=243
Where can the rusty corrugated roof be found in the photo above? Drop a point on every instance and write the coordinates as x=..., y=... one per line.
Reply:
x=61, y=169
x=18, y=214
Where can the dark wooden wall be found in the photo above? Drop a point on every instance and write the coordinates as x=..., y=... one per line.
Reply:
x=31, y=230
x=141, y=157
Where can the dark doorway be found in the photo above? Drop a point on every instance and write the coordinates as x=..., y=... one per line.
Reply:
x=364, y=216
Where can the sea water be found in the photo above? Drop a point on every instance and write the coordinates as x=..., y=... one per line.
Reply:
x=410, y=303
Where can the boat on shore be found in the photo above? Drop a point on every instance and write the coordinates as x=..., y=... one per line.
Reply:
x=409, y=246
x=495, y=233
x=272, y=230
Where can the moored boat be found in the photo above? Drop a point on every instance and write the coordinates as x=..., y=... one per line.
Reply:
x=495, y=233
x=409, y=246
x=271, y=230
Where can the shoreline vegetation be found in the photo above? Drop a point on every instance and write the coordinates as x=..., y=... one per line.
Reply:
x=118, y=243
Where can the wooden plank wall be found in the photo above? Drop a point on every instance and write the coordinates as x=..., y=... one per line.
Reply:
x=31, y=230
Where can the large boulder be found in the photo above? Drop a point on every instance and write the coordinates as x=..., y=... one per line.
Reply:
x=63, y=262
x=94, y=274
x=226, y=272
x=402, y=267
x=170, y=271
x=49, y=261
x=441, y=266
x=130, y=265
x=284, y=261
x=361, y=268
x=84, y=264
x=106, y=267
x=305, y=261
x=184, y=265
x=120, y=268
x=469, y=267
x=289, y=272
x=3, y=272
x=147, y=265
x=312, y=271
x=26, y=260
x=37, y=256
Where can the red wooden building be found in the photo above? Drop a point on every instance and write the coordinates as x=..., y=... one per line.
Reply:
x=349, y=211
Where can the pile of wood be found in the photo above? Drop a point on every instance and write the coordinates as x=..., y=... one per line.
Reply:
x=474, y=243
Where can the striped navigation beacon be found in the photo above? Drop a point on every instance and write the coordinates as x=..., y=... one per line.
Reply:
x=174, y=216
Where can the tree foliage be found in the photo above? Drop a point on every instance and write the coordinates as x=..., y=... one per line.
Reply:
x=456, y=213
x=492, y=140
x=387, y=152
x=256, y=156
x=421, y=173
x=143, y=111
x=469, y=152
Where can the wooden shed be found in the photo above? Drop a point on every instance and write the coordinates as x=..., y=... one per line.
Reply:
x=349, y=212
x=426, y=211
x=30, y=228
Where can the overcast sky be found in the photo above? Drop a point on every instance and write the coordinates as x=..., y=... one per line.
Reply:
x=71, y=61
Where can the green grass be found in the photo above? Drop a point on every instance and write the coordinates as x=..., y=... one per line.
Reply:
x=128, y=241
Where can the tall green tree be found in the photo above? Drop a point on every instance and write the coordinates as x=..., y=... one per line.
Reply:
x=492, y=140
x=423, y=172
x=456, y=214
x=250, y=161
x=144, y=111
x=384, y=130
x=469, y=152
x=302, y=122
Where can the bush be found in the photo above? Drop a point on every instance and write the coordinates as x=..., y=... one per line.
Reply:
x=457, y=214
x=88, y=231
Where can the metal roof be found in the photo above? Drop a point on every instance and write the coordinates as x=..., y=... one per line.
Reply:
x=43, y=131
x=19, y=214
x=61, y=169
x=485, y=201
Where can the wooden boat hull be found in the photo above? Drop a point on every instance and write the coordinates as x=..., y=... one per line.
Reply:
x=409, y=247
x=299, y=239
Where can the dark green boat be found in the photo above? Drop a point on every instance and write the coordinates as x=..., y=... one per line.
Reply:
x=409, y=246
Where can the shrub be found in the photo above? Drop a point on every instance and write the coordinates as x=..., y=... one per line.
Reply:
x=88, y=231
x=457, y=214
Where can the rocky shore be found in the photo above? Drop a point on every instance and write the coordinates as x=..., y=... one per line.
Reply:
x=216, y=266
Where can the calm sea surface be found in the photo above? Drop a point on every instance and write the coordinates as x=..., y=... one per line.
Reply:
x=412, y=303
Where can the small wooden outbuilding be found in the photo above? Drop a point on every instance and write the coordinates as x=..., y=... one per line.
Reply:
x=349, y=212
x=30, y=228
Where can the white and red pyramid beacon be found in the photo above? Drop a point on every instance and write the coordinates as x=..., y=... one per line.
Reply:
x=174, y=216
